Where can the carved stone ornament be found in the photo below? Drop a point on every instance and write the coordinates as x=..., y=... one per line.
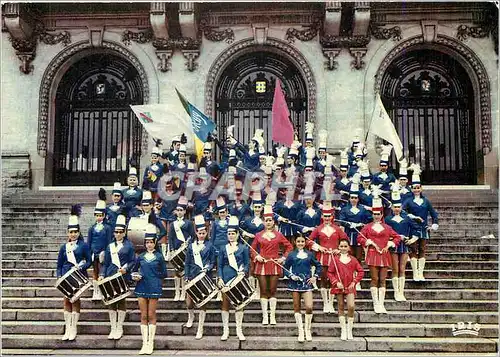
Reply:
x=382, y=33
x=139, y=37
x=191, y=56
x=331, y=54
x=472, y=60
x=216, y=35
x=358, y=54
x=304, y=35
x=164, y=56
x=183, y=43
x=330, y=41
x=52, y=71
x=464, y=31
x=232, y=53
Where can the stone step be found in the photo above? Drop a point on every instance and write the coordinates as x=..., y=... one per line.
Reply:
x=282, y=292
x=365, y=316
x=287, y=304
x=250, y=329
x=162, y=342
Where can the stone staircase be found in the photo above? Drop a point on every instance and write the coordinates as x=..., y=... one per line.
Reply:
x=461, y=286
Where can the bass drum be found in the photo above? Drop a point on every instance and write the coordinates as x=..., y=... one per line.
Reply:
x=136, y=231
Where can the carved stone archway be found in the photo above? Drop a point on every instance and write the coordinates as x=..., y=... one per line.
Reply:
x=470, y=61
x=249, y=45
x=55, y=69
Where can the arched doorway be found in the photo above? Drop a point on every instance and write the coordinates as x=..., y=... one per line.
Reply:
x=96, y=132
x=244, y=95
x=430, y=98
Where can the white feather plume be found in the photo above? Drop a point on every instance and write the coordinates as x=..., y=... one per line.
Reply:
x=415, y=168
x=309, y=127
x=230, y=131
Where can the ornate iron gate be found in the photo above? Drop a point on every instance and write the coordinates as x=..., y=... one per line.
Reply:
x=96, y=131
x=244, y=95
x=429, y=96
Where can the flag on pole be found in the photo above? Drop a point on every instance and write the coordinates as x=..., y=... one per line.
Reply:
x=282, y=127
x=202, y=125
x=164, y=121
x=382, y=126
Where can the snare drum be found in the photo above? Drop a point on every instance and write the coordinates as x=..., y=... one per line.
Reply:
x=177, y=258
x=238, y=291
x=73, y=284
x=201, y=289
x=136, y=230
x=113, y=288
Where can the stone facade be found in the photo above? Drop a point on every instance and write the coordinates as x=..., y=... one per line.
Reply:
x=341, y=53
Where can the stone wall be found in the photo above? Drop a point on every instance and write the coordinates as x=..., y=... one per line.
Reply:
x=16, y=172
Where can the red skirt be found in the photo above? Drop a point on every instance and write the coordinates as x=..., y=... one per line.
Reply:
x=324, y=258
x=374, y=258
x=267, y=268
x=343, y=291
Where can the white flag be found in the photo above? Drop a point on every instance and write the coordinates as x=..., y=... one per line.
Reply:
x=382, y=126
x=164, y=121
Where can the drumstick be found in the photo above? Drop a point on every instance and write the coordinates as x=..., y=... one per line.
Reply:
x=271, y=260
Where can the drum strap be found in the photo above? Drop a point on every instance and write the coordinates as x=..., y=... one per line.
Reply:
x=178, y=231
x=230, y=257
x=197, y=248
x=70, y=254
x=114, y=249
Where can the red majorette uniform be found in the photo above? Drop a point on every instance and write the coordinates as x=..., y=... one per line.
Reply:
x=346, y=274
x=268, y=246
x=380, y=234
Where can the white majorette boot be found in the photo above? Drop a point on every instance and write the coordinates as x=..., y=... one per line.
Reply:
x=272, y=310
x=144, y=334
x=238, y=315
x=402, y=288
x=177, y=286
x=113, y=322
x=183, y=290
x=324, y=296
x=201, y=323
x=300, y=326
x=119, y=324
x=74, y=323
x=190, y=320
x=395, y=286
x=414, y=269
x=263, y=306
x=374, y=292
x=421, y=266
x=67, y=326
x=95, y=291
x=331, y=300
x=151, y=339
x=381, y=298
x=350, y=323
x=225, y=325
x=307, y=328
x=343, y=328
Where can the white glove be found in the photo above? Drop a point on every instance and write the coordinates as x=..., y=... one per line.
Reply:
x=81, y=264
x=294, y=277
x=368, y=242
x=435, y=226
x=412, y=216
x=101, y=257
x=164, y=250
x=241, y=269
x=232, y=140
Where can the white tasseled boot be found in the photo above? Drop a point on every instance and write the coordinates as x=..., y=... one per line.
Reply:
x=113, y=322
x=151, y=339
x=402, y=288
x=414, y=269
x=144, y=334
x=74, y=324
x=272, y=310
x=96, y=294
x=343, y=328
x=300, y=326
x=67, y=326
x=201, y=322
x=307, y=329
x=183, y=290
x=421, y=266
x=225, y=325
x=331, y=300
x=395, y=286
x=238, y=315
x=255, y=284
x=374, y=292
x=350, y=323
x=119, y=324
x=265, y=316
x=381, y=299
x=324, y=296
x=177, y=286
x=190, y=320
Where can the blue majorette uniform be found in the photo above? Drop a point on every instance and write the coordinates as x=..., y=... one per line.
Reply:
x=239, y=209
x=420, y=207
x=113, y=210
x=200, y=255
x=153, y=172
x=353, y=218
x=100, y=234
x=218, y=233
x=287, y=209
x=299, y=262
x=402, y=225
x=152, y=268
x=232, y=259
x=73, y=254
x=181, y=231
x=157, y=219
x=132, y=195
x=309, y=217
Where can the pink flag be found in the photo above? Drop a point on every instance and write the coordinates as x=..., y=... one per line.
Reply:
x=282, y=127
